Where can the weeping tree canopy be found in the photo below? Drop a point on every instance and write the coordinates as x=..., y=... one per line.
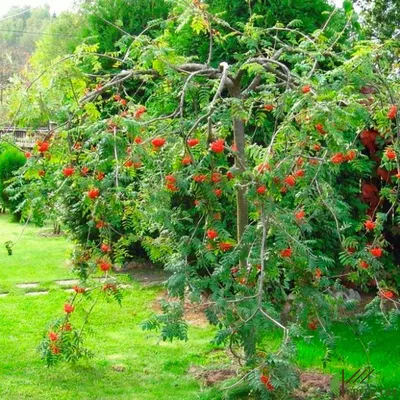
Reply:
x=265, y=179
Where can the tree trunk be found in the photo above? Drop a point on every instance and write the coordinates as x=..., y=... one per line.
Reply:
x=56, y=228
x=240, y=163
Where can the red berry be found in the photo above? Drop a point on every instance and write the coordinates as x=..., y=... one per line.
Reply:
x=337, y=158
x=290, y=180
x=55, y=350
x=104, y=265
x=100, y=224
x=230, y=175
x=158, y=142
x=306, y=89
x=109, y=286
x=217, y=146
x=261, y=168
x=350, y=155
x=187, y=160
x=390, y=154
x=105, y=248
x=313, y=325
x=318, y=273
x=43, y=146
x=286, y=252
x=225, y=246
x=369, y=225
x=117, y=97
x=84, y=171
x=317, y=147
x=42, y=172
x=69, y=308
x=300, y=215
x=376, y=251
x=269, y=107
x=193, y=142
x=218, y=192
x=216, y=177
x=67, y=327
x=170, y=178
x=388, y=294
x=171, y=187
x=320, y=129
x=53, y=336
x=392, y=112
x=93, y=193
x=299, y=173
x=100, y=176
x=140, y=111
x=122, y=102
x=364, y=264
x=212, y=234
x=261, y=190
x=138, y=140
x=28, y=154
x=79, y=289
x=128, y=163
x=199, y=178
x=68, y=171
x=266, y=382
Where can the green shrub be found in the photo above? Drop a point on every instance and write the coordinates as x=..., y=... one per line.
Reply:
x=11, y=159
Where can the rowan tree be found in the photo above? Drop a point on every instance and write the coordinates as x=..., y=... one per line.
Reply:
x=263, y=184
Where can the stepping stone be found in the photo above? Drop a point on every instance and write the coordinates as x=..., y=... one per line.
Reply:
x=125, y=286
x=36, y=293
x=67, y=282
x=3, y=294
x=27, y=285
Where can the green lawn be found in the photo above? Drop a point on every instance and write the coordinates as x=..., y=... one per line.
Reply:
x=151, y=370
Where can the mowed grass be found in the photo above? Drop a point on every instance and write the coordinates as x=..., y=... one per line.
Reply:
x=35, y=258
x=129, y=363
x=383, y=349
x=377, y=348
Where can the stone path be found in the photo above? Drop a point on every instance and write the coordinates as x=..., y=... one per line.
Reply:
x=143, y=276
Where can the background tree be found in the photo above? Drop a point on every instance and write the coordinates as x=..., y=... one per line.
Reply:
x=382, y=17
x=20, y=29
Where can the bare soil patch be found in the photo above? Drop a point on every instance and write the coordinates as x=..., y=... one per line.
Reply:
x=211, y=377
x=312, y=383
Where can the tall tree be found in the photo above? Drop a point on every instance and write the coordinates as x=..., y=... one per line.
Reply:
x=382, y=17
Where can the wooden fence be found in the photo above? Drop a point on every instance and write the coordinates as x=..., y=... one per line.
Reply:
x=24, y=138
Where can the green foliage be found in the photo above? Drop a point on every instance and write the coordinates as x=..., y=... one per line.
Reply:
x=11, y=159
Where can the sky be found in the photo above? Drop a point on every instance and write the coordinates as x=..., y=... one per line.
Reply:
x=55, y=5
x=60, y=5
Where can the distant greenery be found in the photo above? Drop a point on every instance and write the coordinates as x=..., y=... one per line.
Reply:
x=382, y=17
x=11, y=159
